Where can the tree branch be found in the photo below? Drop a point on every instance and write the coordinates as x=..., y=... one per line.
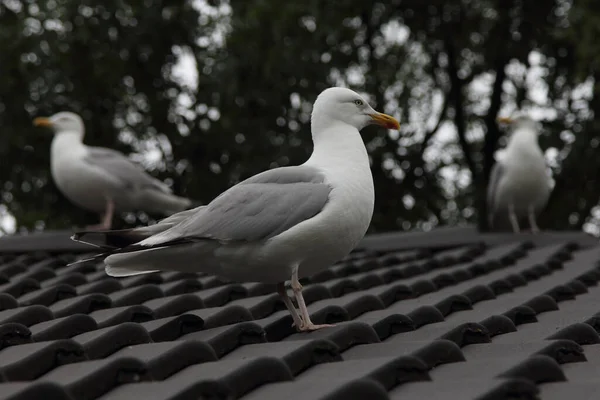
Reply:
x=429, y=134
x=456, y=97
x=492, y=132
x=372, y=81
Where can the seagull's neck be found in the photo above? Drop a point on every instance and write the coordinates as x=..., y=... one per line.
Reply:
x=339, y=147
x=65, y=142
x=523, y=140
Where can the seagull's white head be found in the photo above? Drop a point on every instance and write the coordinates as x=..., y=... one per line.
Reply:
x=521, y=122
x=338, y=104
x=62, y=122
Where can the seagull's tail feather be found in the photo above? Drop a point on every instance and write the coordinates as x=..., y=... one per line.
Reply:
x=119, y=272
x=95, y=258
x=112, y=240
x=181, y=255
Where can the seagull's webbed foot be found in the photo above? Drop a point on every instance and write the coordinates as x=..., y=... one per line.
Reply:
x=312, y=327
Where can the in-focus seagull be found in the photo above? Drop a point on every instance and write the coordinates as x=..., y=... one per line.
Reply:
x=282, y=224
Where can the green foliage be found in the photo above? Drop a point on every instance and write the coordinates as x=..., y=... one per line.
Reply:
x=447, y=68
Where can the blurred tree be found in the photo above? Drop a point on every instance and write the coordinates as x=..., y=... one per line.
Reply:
x=447, y=68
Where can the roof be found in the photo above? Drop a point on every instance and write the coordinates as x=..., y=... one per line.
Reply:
x=447, y=314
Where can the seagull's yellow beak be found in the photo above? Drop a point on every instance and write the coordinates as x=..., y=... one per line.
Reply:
x=385, y=120
x=42, y=121
x=504, y=120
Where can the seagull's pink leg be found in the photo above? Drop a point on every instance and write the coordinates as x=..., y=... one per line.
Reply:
x=107, y=217
x=514, y=221
x=307, y=323
x=532, y=222
x=290, y=306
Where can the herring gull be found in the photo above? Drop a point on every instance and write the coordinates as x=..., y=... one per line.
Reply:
x=519, y=185
x=282, y=224
x=102, y=180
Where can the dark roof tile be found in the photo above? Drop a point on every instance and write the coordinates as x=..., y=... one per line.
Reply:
x=188, y=285
x=355, y=304
x=238, y=375
x=49, y=295
x=211, y=281
x=587, y=370
x=386, y=324
x=90, y=379
x=226, y=338
x=13, y=334
x=170, y=276
x=174, y=305
x=18, y=288
x=11, y=269
x=118, y=315
x=344, y=335
x=27, y=316
x=30, y=361
x=364, y=388
x=7, y=302
x=432, y=354
x=562, y=351
x=166, y=358
x=139, y=280
x=259, y=288
x=538, y=369
x=261, y=306
x=564, y=390
x=135, y=295
x=83, y=268
x=105, y=286
x=96, y=276
x=220, y=295
x=33, y=390
x=63, y=328
x=218, y=380
x=73, y=279
x=480, y=389
x=171, y=328
x=84, y=304
x=299, y=355
x=445, y=314
x=103, y=342
x=219, y=316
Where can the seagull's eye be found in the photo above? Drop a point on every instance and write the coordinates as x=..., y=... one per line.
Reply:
x=358, y=102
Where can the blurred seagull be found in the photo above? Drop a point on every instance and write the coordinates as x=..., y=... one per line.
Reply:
x=519, y=185
x=282, y=224
x=100, y=179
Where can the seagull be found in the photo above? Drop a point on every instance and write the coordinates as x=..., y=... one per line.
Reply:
x=519, y=185
x=282, y=224
x=102, y=180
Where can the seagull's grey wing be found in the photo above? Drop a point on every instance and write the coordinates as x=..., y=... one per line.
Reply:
x=170, y=221
x=492, y=189
x=256, y=209
x=130, y=175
